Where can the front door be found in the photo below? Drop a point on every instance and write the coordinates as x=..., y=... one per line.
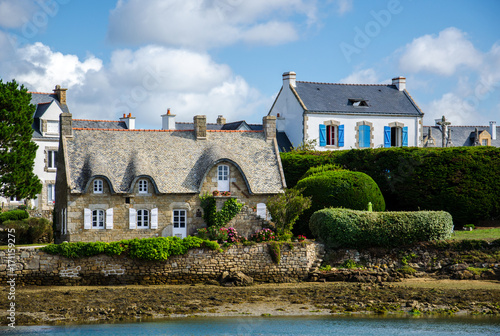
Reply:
x=223, y=178
x=179, y=222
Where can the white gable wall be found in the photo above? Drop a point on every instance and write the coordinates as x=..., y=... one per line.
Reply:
x=291, y=116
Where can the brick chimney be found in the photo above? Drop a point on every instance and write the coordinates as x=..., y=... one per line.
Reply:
x=289, y=79
x=200, y=127
x=493, y=130
x=168, y=121
x=221, y=120
x=65, y=124
x=269, y=127
x=129, y=121
x=61, y=94
x=400, y=83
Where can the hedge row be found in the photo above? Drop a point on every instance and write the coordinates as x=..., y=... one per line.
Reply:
x=460, y=180
x=29, y=231
x=13, y=215
x=343, y=228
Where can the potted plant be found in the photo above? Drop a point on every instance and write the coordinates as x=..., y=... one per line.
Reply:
x=226, y=193
x=215, y=193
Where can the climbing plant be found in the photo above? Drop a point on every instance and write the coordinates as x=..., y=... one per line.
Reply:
x=220, y=218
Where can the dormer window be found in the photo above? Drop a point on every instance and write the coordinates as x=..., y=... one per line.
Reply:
x=356, y=102
x=98, y=187
x=143, y=186
x=52, y=127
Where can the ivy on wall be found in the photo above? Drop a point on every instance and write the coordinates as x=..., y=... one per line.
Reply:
x=220, y=218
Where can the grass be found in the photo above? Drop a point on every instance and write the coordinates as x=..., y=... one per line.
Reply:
x=5, y=247
x=486, y=234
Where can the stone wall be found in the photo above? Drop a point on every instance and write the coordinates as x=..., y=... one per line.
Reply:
x=34, y=267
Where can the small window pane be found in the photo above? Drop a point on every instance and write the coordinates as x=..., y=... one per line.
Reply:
x=98, y=219
x=98, y=186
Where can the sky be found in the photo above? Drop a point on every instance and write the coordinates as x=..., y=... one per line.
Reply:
x=227, y=57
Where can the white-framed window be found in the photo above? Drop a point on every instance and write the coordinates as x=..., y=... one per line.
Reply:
x=52, y=159
x=331, y=135
x=143, y=186
x=51, y=193
x=98, y=219
x=52, y=127
x=98, y=186
x=179, y=218
x=142, y=219
x=223, y=178
x=484, y=142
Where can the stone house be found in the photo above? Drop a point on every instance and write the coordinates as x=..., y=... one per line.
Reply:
x=116, y=183
x=345, y=116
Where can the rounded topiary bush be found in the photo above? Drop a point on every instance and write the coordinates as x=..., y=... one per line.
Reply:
x=343, y=228
x=338, y=189
x=321, y=169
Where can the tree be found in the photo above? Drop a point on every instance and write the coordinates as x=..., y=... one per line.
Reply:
x=17, y=151
x=286, y=208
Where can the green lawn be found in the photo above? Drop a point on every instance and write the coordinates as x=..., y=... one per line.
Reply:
x=4, y=247
x=486, y=234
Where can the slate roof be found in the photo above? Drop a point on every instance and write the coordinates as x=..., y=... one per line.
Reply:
x=174, y=160
x=460, y=135
x=334, y=98
x=284, y=144
x=102, y=124
x=211, y=126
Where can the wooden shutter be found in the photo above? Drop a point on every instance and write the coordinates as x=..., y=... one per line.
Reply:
x=322, y=135
x=87, y=219
x=109, y=219
x=132, y=219
x=387, y=136
x=405, y=136
x=364, y=136
x=341, y=135
x=154, y=218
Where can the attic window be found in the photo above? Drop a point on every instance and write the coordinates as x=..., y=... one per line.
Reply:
x=358, y=102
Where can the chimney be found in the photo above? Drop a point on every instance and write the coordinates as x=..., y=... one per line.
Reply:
x=289, y=79
x=168, y=121
x=493, y=130
x=65, y=124
x=221, y=120
x=61, y=94
x=269, y=126
x=129, y=121
x=400, y=83
x=200, y=127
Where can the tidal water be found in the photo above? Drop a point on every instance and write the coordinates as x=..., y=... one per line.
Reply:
x=338, y=326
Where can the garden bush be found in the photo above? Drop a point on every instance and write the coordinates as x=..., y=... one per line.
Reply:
x=30, y=230
x=339, y=189
x=13, y=215
x=344, y=228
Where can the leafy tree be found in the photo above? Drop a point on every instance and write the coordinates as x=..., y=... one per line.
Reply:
x=286, y=208
x=17, y=151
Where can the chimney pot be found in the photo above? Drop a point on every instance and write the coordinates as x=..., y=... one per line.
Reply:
x=289, y=79
x=129, y=121
x=61, y=94
x=168, y=121
x=399, y=82
x=221, y=120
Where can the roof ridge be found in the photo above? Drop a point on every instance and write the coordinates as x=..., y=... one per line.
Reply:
x=127, y=130
x=343, y=83
x=49, y=93
x=98, y=120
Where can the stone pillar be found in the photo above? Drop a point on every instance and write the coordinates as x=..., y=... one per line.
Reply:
x=66, y=124
x=200, y=127
x=269, y=127
x=221, y=120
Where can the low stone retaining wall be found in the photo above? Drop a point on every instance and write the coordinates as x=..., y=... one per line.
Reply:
x=34, y=267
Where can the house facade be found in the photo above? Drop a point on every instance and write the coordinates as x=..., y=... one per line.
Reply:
x=115, y=184
x=346, y=116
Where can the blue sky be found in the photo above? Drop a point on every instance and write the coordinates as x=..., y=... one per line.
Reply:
x=227, y=56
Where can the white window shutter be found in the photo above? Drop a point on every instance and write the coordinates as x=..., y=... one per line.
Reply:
x=109, y=219
x=132, y=218
x=87, y=219
x=154, y=218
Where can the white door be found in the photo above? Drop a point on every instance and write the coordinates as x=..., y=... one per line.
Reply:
x=179, y=222
x=223, y=178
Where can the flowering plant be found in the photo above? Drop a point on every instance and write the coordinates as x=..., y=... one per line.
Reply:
x=301, y=238
x=226, y=193
x=215, y=192
x=264, y=235
x=233, y=236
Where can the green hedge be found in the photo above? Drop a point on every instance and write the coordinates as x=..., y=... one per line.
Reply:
x=460, y=180
x=148, y=248
x=13, y=215
x=338, y=189
x=30, y=230
x=343, y=228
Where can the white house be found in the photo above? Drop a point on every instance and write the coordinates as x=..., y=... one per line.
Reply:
x=345, y=116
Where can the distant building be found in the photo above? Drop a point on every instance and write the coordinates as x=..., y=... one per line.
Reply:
x=443, y=134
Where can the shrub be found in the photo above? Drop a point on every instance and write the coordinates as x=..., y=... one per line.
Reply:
x=343, y=228
x=264, y=235
x=220, y=218
x=275, y=251
x=31, y=230
x=13, y=215
x=321, y=169
x=342, y=189
x=286, y=208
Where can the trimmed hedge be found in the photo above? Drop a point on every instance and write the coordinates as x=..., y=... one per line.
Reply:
x=159, y=248
x=338, y=189
x=30, y=230
x=13, y=215
x=321, y=169
x=343, y=228
x=460, y=180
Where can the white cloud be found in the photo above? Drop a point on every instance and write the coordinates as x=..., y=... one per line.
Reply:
x=442, y=54
x=343, y=6
x=457, y=110
x=203, y=24
x=13, y=14
x=366, y=76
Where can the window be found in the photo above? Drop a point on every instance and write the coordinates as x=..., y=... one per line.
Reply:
x=396, y=136
x=52, y=159
x=53, y=127
x=51, y=193
x=484, y=142
x=331, y=135
x=98, y=186
x=142, y=219
x=364, y=136
x=179, y=219
x=143, y=186
x=358, y=102
x=98, y=219
x=223, y=178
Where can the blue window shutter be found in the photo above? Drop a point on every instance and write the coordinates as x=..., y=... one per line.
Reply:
x=322, y=135
x=405, y=136
x=387, y=136
x=341, y=135
x=364, y=136
x=367, y=136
